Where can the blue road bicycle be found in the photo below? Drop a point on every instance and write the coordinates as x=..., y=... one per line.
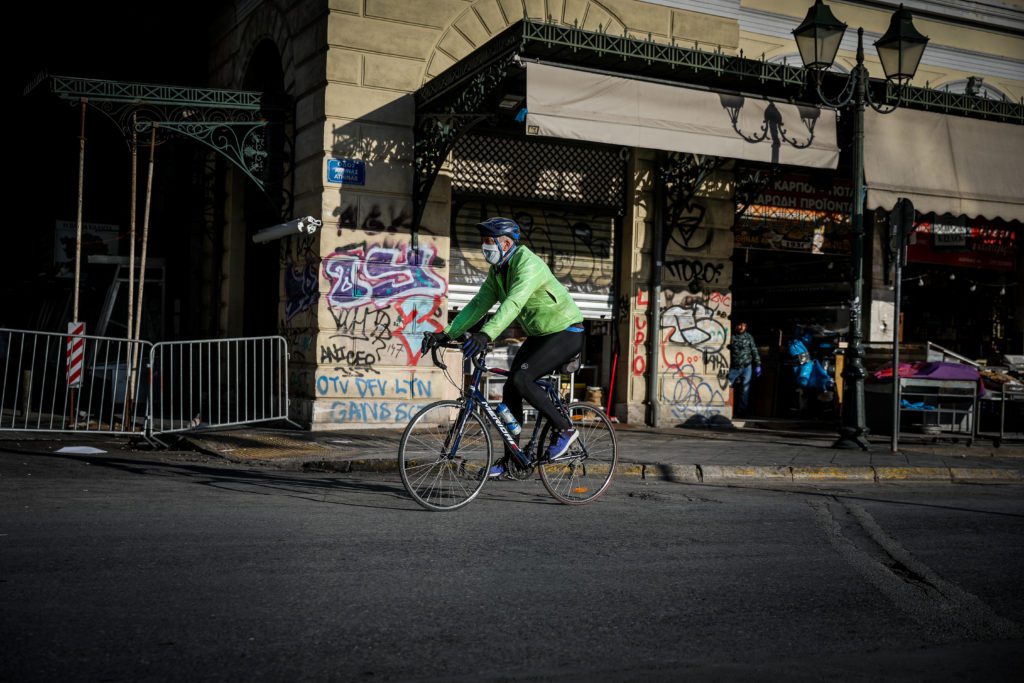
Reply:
x=446, y=450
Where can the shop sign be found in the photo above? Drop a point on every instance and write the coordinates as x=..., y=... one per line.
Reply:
x=953, y=236
x=795, y=214
x=97, y=238
x=951, y=242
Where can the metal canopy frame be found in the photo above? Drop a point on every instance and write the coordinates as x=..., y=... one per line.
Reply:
x=232, y=123
x=467, y=93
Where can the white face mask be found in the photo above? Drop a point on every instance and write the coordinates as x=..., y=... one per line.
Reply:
x=492, y=253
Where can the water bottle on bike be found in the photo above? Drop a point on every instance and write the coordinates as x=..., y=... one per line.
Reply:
x=509, y=419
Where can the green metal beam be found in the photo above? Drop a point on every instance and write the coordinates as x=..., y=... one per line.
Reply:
x=961, y=104
x=633, y=51
x=71, y=88
x=230, y=122
x=559, y=43
x=460, y=97
x=437, y=129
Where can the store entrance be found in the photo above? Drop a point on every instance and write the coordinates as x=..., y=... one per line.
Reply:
x=789, y=299
x=791, y=285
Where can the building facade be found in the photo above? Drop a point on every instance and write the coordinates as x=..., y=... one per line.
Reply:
x=763, y=239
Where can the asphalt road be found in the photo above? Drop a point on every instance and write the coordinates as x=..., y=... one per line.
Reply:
x=178, y=566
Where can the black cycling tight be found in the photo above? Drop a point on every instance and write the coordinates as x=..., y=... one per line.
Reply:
x=539, y=356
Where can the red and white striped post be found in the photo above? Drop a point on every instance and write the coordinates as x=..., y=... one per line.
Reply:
x=75, y=356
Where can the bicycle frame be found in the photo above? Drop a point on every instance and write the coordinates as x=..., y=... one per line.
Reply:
x=439, y=477
x=473, y=397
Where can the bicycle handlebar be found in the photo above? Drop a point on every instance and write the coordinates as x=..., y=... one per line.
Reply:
x=457, y=344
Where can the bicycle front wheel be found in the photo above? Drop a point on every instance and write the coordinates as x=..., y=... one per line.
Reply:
x=444, y=467
x=585, y=472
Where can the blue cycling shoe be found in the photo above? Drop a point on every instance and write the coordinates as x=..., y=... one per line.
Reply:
x=560, y=448
x=496, y=470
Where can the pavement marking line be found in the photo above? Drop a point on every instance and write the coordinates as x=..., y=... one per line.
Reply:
x=629, y=470
x=907, y=582
x=984, y=474
x=745, y=472
x=833, y=473
x=913, y=473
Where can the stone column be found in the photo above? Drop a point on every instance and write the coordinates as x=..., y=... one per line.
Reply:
x=696, y=307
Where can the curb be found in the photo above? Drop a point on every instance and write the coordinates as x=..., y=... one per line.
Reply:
x=701, y=474
x=833, y=473
x=913, y=474
x=982, y=475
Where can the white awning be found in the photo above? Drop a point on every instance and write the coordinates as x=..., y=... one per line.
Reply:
x=583, y=105
x=944, y=164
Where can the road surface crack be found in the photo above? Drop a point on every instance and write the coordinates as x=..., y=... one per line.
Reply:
x=941, y=607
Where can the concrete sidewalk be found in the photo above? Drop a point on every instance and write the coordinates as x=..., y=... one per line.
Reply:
x=671, y=453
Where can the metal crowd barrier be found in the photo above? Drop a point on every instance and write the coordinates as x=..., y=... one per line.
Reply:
x=217, y=383
x=56, y=382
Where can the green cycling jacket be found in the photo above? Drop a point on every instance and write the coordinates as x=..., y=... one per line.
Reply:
x=528, y=291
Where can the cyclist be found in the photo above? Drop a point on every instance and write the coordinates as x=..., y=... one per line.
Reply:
x=524, y=287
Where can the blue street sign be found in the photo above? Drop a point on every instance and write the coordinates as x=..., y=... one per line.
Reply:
x=346, y=171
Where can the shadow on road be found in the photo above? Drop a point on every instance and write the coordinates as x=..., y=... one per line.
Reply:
x=846, y=494
x=310, y=487
x=343, y=490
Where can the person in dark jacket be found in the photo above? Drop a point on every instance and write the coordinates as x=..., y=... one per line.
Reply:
x=744, y=365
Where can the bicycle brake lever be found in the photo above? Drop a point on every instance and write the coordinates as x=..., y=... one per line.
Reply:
x=437, y=361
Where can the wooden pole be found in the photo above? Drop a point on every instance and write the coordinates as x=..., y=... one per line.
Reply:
x=142, y=257
x=130, y=386
x=145, y=228
x=131, y=227
x=78, y=234
x=81, y=189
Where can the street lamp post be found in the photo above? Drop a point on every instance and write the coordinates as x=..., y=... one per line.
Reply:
x=899, y=49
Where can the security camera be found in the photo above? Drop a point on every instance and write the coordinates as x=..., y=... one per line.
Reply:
x=307, y=225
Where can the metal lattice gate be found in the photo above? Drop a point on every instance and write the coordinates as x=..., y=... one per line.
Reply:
x=566, y=197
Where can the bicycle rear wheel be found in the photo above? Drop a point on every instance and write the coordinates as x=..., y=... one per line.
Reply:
x=583, y=474
x=444, y=468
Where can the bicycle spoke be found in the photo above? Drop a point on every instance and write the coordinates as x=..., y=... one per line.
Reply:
x=435, y=475
x=587, y=471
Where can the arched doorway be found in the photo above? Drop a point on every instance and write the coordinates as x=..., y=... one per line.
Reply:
x=261, y=294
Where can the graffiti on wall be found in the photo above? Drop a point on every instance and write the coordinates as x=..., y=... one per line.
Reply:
x=377, y=276
x=684, y=227
x=697, y=333
x=639, y=361
x=695, y=273
x=692, y=346
x=367, y=400
x=576, y=246
x=300, y=341
x=300, y=266
x=301, y=289
x=365, y=412
x=383, y=297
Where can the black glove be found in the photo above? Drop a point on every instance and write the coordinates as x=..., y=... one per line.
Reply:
x=476, y=343
x=432, y=340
